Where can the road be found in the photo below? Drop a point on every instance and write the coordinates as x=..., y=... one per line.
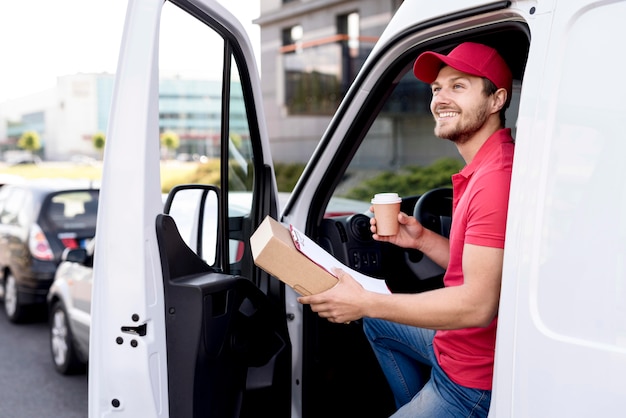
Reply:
x=29, y=384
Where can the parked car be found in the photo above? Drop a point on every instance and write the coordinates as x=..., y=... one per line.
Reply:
x=17, y=157
x=39, y=219
x=69, y=305
x=69, y=297
x=10, y=179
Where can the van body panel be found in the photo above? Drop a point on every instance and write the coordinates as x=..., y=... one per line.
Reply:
x=560, y=331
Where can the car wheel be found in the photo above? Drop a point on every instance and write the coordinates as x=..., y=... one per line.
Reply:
x=14, y=310
x=64, y=355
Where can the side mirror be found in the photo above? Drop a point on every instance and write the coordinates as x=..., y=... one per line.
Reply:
x=195, y=210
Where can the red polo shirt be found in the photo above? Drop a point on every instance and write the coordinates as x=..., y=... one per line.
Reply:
x=481, y=196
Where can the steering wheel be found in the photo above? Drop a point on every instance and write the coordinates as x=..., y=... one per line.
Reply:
x=433, y=210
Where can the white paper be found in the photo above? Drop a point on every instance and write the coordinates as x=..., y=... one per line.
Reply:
x=322, y=258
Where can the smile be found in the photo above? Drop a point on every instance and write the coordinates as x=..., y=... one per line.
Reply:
x=444, y=115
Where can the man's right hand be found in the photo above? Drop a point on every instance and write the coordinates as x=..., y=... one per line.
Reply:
x=409, y=233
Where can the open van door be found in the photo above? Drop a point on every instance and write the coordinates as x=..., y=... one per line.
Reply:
x=183, y=326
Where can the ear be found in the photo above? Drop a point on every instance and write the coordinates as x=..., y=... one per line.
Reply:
x=499, y=100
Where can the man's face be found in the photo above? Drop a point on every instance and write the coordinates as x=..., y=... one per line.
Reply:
x=459, y=105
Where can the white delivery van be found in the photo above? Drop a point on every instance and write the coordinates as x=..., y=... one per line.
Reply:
x=185, y=325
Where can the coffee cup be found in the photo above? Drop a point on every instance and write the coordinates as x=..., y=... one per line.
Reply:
x=386, y=209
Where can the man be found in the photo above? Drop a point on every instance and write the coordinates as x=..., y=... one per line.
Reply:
x=453, y=329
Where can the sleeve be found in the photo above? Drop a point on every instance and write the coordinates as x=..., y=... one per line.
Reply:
x=488, y=207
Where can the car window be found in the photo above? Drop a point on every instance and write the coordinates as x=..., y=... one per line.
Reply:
x=5, y=192
x=15, y=208
x=71, y=210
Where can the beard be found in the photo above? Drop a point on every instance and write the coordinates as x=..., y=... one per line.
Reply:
x=463, y=130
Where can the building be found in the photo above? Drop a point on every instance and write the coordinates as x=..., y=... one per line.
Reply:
x=311, y=51
x=67, y=116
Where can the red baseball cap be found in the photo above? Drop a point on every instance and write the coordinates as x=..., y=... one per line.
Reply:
x=470, y=58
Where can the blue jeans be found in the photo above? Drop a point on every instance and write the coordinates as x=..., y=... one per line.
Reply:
x=402, y=351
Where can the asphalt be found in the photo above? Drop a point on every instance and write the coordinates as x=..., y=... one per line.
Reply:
x=30, y=386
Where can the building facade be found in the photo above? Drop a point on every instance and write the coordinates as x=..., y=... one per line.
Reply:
x=68, y=116
x=311, y=51
x=65, y=117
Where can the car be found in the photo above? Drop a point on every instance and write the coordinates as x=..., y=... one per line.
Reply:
x=69, y=306
x=69, y=296
x=10, y=179
x=17, y=157
x=39, y=219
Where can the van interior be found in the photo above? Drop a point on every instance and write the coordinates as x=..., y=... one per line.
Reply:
x=342, y=370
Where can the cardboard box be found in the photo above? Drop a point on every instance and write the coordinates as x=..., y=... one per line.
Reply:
x=274, y=251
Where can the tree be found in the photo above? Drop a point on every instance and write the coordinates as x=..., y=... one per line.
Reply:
x=170, y=141
x=29, y=141
x=99, y=140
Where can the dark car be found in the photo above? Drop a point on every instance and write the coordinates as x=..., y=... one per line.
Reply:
x=39, y=219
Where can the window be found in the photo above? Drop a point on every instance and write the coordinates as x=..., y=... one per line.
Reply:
x=292, y=35
x=400, y=140
x=69, y=210
x=399, y=151
x=14, y=204
x=318, y=72
x=349, y=31
x=193, y=98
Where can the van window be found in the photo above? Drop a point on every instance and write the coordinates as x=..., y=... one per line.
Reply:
x=400, y=152
x=194, y=97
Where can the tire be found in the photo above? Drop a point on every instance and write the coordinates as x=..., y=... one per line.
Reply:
x=15, y=311
x=64, y=355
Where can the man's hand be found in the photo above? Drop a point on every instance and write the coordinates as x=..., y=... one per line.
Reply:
x=412, y=234
x=408, y=236
x=342, y=303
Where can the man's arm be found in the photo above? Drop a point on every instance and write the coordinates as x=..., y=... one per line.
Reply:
x=472, y=304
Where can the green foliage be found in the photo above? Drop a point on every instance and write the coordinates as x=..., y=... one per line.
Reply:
x=411, y=181
x=287, y=175
x=29, y=141
x=240, y=178
x=170, y=140
x=236, y=139
x=98, y=141
x=209, y=173
x=206, y=173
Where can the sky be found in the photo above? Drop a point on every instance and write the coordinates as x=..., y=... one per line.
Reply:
x=41, y=40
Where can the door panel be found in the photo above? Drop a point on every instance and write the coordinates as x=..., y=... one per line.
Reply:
x=563, y=295
x=218, y=327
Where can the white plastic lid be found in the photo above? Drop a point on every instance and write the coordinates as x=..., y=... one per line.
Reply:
x=382, y=198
